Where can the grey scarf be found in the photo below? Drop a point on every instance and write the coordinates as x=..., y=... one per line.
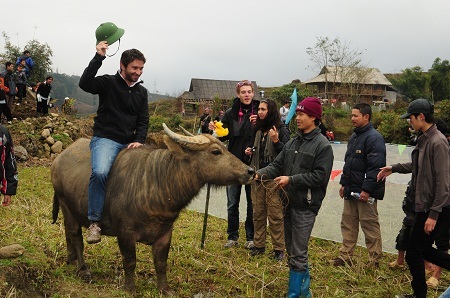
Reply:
x=269, y=150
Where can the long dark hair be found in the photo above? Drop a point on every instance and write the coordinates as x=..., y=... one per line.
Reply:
x=272, y=118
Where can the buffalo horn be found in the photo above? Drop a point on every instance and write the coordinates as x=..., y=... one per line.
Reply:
x=185, y=131
x=191, y=142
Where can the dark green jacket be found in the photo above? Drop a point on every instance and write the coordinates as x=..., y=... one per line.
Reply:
x=308, y=161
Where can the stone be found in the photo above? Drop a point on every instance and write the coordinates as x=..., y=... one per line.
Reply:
x=21, y=153
x=57, y=147
x=45, y=133
x=11, y=251
x=50, y=141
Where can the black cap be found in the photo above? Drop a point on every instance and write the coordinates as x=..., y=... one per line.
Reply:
x=418, y=106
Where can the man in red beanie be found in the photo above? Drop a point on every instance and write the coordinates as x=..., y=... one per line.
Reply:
x=366, y=154
x=302, y=170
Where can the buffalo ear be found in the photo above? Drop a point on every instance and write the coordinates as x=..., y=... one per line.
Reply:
x=175, y=149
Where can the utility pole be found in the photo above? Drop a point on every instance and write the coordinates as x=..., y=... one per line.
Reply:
x=34, y=33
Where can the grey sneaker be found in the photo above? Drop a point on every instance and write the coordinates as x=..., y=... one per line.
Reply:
x=249, y=244
x=231, y=243
x=94, y=233
x=405, y=296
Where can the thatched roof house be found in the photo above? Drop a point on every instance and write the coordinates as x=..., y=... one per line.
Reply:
x=209, y=93
x=352, y=84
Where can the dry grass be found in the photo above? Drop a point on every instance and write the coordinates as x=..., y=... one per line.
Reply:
x=193, y=272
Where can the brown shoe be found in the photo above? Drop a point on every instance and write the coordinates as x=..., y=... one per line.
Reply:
x=433, y=282
x=279, y=255
x=338, y=262
x=94, y=233
x=395, y=265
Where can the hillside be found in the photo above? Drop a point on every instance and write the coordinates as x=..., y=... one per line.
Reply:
x=67, y=86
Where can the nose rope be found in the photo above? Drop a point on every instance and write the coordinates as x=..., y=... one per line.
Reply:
x=283, y=199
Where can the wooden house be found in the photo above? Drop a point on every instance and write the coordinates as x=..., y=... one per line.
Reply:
x=214, y=94
x=351, y=84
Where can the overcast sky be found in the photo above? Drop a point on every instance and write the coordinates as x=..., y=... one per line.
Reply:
x=264, y=41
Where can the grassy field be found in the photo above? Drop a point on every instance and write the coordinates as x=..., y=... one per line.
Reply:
x=192, y=272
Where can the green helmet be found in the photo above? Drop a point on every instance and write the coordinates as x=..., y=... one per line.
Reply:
x=108, y=31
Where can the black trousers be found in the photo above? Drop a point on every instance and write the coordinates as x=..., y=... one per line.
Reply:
x=420, y=248
x=42, y=107
x=4, y=109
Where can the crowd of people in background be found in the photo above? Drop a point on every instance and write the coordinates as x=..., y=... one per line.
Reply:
x=15, y=83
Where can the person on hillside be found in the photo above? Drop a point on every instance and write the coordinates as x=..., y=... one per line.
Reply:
x=302, y=171
x=4, y=109
x=366, y=154
x=121, y=122
x=284, y=111
x=8, y=167
x=238, y=119
x=269, y=136
x=9, y=82
x=27, y=62
x=20, y=79
x=43, y=96
x=430, y=186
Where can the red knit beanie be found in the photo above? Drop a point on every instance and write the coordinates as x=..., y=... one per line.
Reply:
x=310, y=106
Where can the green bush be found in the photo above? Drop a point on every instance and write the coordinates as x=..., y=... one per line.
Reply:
x=393, y=128
x=155, y=123
x=442, y=110
x=342, y=129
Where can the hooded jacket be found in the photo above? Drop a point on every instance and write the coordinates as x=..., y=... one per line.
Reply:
x=240, y=128
x=8, y=170
x=307, y=160
x=122, y=114
x=366, y=154
x=429, y=185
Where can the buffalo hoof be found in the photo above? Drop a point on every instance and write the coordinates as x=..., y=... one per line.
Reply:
x=71, y=262
x=131, y=288
x=85, y=274
x=167, y=292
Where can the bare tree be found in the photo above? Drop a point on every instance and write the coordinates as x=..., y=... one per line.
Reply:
x=338, y=62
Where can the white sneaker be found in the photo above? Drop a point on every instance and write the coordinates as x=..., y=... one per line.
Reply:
x=94, y=233
x=231, y=243
x=249, y=244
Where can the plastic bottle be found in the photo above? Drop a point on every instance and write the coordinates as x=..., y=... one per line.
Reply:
x=356, y=195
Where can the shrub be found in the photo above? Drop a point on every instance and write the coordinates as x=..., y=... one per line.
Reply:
x=155, y=123
x=442, y=110
x=393, y=128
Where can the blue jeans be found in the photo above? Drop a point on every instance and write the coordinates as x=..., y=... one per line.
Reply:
x=234, y=196
x=103, y=155
x=446, y=294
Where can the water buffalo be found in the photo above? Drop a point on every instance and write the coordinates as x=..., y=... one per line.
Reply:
x=146, y=190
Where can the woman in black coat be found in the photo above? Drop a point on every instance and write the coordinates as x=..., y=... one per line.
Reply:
x=269, y=137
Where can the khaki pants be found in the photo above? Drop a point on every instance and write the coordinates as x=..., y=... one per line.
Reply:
x=267, y=205
x=355, y=213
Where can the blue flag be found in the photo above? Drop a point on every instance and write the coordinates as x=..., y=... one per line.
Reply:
x=293, y=106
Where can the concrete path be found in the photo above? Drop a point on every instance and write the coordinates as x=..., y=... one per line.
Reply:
x=328, y=221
